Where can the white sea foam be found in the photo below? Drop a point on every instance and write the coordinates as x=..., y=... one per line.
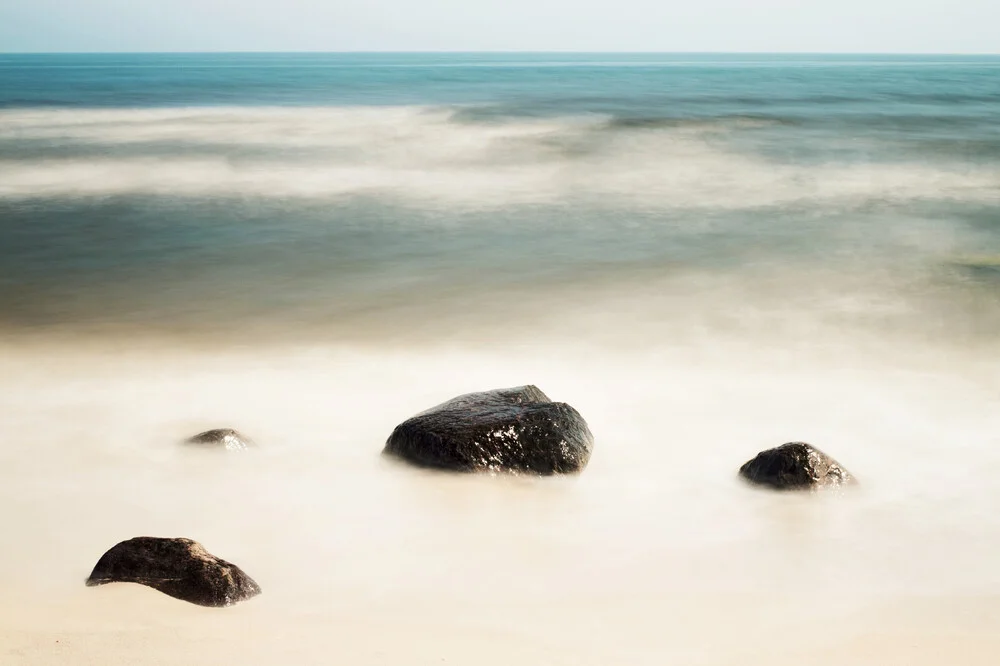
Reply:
x=427, y=156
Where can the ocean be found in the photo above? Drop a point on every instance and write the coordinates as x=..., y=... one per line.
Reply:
x=706, y=255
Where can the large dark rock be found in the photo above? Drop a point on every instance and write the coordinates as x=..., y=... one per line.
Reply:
x=181, y=568
x=223, y=438
x=793, y=466
x=506, y=430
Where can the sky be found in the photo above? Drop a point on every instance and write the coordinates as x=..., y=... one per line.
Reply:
x=838, y=26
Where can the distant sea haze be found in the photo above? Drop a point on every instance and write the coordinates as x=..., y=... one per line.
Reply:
x=706, y=255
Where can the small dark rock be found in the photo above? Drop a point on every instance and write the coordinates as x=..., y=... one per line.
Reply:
x=225, y=438
x=506, y=430
x=181, y=568
x=793, y=466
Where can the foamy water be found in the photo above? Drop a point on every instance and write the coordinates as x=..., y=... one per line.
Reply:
x=656, y=552
x=706, y=260
x=425, y=156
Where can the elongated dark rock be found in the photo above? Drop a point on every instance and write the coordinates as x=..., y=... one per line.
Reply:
x=179, y=567
x=794, y=466
x=505, y=430
x=223, y=438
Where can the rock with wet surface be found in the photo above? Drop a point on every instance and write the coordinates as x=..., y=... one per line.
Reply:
x=179, y=567
x=222, y=438
x=795, y=466
x=517, y=430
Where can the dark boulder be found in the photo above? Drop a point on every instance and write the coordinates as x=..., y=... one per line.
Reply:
x=793, y=466
x=223, y=438
x=181, y=568
x=515, y=430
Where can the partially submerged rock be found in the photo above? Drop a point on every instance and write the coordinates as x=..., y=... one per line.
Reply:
x=795, y=465
x=181, y=568
x=504, y=430
x=223, y=438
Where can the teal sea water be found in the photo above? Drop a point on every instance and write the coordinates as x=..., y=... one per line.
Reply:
x=204, y=192
x=706, y=255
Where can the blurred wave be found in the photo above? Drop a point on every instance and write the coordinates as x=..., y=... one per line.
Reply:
x=422, y=155
x=420, y=197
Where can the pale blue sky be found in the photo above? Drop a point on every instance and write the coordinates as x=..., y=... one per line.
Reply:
x=873, y=26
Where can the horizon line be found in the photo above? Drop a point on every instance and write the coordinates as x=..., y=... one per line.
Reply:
x=507, y=52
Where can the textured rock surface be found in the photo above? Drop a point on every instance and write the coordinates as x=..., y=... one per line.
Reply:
x=181, y=568
x=795, y=465
x=505, y=430
x=223, y=438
